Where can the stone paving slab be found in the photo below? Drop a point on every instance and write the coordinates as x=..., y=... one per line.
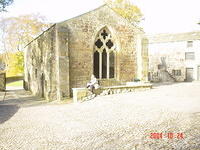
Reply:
x=114, y=122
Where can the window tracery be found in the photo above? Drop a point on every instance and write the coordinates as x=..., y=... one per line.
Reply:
x=104, y=55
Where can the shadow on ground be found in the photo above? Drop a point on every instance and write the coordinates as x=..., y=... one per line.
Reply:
x=7, y=111
x=25, y=102
x=12, y=100
x=22, y=98
x=13, y=79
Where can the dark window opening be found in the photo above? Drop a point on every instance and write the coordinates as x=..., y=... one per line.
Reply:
x=176, y=72
x=112, y=64
x=96, y=64
x=189, y=43
x=189, y=55
x=104, y=64
x=99, y=43
x=109, y=44
x=104, y=34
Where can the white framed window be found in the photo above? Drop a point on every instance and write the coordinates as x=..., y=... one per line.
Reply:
x=189, y=43
x=176, y=72
x=189, y=56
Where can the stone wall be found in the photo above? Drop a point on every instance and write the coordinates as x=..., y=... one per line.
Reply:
x=82, y=33
x=40, y=65
x=62, y=67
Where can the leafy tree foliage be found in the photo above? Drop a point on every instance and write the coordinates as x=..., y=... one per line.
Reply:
x=19, y=31
x=4, y=3
x=16, y=32
x=126, y=9
x=15, y=63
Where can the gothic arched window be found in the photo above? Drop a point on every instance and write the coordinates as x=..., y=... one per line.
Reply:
x=104, y=55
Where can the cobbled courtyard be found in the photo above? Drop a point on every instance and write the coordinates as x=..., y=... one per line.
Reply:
x=166, y=117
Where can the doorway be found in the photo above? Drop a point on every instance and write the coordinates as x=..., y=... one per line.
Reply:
x=198, y=73
x=189, y=74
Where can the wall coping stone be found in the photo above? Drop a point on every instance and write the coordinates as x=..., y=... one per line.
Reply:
x=83, y=93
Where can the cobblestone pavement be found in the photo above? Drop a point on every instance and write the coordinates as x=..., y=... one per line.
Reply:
x=114, y=122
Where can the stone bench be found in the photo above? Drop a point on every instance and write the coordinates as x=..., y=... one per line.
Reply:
x=83, y=93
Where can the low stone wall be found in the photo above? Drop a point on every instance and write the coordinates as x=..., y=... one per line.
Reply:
x=83, y=94
x=2, y=81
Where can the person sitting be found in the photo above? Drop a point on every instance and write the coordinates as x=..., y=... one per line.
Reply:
x=93, y=84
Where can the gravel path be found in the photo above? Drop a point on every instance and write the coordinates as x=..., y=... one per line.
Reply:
x=115, y=122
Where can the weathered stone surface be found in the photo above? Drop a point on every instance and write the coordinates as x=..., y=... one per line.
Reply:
x=64, y=54
x=40, y=65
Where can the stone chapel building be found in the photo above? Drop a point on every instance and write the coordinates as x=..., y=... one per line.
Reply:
x=99, y=42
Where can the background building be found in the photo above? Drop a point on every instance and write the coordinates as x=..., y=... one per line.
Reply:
x=174, y=57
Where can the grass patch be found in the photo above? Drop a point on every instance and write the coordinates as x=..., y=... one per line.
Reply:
x=16, y=83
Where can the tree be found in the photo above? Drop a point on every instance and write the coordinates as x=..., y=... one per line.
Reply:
x=126, y=9
x=4, y=4
x=19, y=31
x=16, y=32
x=15, y=63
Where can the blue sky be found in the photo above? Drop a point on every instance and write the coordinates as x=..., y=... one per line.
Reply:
x=161, y=16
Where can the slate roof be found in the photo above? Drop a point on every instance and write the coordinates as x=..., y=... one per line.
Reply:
x=164, y=38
